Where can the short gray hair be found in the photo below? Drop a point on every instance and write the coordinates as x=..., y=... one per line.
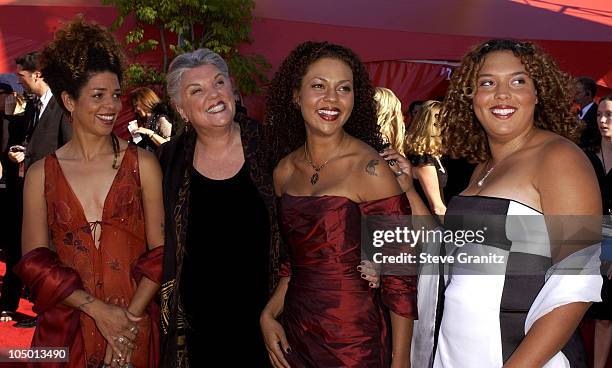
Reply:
x=187, y=61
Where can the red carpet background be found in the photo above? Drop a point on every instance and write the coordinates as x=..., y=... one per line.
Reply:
x=11, y=337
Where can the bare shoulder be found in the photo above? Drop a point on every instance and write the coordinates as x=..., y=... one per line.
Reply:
x=565, y=179
x=146, y=157
x=374, y=178
x=558, y=153
x=283, y=171
x=148, y=165
x=368, y=162
x=35, y=177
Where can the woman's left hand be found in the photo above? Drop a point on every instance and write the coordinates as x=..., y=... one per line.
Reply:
x=111, y=359
x=144, y=131
x=370, y=273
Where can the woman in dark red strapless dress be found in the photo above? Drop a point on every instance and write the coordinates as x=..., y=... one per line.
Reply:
x=321, y=116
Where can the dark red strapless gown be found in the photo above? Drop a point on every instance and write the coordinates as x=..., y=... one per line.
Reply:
x=331, y=316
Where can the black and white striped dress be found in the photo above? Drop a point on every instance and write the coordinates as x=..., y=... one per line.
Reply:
x=489, y=308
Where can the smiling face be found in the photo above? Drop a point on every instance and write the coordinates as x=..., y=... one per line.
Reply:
x=326, y=96
x=98, y=105
x=604, y=119
x=505, y=97
x=207, y=100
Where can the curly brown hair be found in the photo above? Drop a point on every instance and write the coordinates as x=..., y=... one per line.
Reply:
x=284, y=125
x=463, y=136
x=79, y=50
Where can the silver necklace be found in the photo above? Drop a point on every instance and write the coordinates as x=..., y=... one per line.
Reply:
x=480, y=182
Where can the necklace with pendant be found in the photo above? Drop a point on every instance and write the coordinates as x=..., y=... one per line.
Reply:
x=480, y=182
x=315, y=177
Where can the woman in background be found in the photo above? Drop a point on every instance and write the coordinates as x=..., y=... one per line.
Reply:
x=424, y=150
x=153, y=123
x=390, y=119
x=600, y=154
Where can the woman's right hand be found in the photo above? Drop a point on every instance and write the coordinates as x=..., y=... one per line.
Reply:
x=275, y=340
x=440, y=210
x=402, y=168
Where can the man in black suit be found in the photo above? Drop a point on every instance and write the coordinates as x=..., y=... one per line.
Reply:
x=47, y=129
x=48, y=126
x=585, y=94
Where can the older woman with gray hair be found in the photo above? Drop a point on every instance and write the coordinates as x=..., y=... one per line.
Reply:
x=221, y=236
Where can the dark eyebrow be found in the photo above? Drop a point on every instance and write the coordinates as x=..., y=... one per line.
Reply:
x=104, y=89
x=512, y=74
x=323, y=79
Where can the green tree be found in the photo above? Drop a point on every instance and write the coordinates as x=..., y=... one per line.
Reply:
x=220, y=25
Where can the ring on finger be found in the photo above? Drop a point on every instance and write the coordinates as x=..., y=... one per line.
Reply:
x=398, y=173
x=134, y=330
x=122, y=340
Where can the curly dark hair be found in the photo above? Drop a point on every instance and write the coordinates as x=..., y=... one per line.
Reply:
x=79, y=50
x=284, y=125
x=463, y=136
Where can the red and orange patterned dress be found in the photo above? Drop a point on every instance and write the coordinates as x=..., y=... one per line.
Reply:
x=105, y=271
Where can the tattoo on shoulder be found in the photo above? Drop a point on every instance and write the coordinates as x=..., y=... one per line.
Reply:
x=371, y=167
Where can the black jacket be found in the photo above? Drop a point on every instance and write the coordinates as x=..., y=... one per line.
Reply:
x=590, y=135
x=51, y=132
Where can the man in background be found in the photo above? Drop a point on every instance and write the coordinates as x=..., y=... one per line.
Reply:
x=47, y=128
x=585, y=98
